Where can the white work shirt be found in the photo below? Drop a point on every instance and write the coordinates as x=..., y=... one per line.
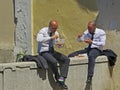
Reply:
x=43, y=39
x=98, y=39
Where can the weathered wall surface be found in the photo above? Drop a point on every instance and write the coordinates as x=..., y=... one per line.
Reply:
x=26, y=76
x=23, y=30
x=109, y=19
x=15, y=28
x=7, y=28
x=72, y=15
x=114, y=44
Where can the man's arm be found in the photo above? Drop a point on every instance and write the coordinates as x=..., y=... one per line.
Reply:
x=80, y=37
x=102, y=40
x=42, y=38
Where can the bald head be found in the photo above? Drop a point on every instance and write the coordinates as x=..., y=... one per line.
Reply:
x=91, y=26
x=53, y=25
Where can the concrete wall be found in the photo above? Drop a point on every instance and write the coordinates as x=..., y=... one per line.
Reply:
x=7, y=28
x=15, y=28
x=108, y=16
x=23, y=31
x=109, y=19
x=26, y=76
x=6, y=24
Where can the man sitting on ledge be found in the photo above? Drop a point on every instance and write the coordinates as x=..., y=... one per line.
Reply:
x=46, y=38
x=95, y=39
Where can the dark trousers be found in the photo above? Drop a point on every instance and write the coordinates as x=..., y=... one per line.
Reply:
x=92, y=53
x=53, y=59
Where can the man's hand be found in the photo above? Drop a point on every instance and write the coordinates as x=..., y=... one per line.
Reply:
x=60, y=44
x=54, y=37
x=89, y=41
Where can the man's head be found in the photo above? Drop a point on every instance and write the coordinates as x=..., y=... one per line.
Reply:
x=53, y=25
x=91, y=26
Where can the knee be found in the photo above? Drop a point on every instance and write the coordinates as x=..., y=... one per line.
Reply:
x=91, y=58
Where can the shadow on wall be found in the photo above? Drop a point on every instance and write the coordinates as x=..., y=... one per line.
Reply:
x=88, y=4
x=15, y=19
x=42, y=75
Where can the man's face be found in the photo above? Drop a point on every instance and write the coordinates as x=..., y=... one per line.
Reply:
x=91, y=27
x=53, y=25
x=53, y=28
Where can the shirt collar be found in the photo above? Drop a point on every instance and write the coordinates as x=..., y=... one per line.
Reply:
x=49, y=31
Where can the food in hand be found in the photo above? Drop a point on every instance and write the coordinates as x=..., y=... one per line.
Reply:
x=59, y=43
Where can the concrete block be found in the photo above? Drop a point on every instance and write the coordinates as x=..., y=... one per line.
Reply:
x=26, y=76
x=78, y=75
x=17, y=76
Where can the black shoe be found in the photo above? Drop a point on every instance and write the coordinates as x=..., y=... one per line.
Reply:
x=89, y=80
x=62, y=84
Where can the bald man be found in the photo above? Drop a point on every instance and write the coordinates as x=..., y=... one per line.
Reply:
x=95, y=39
x=46, y=38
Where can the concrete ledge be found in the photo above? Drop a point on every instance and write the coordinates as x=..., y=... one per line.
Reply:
x=84, y=60
x=26, y=76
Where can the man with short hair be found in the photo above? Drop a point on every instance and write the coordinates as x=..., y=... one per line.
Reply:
x=95, y=39
x=46, y=38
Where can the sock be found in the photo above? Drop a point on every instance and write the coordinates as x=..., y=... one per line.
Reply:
x=61, y=79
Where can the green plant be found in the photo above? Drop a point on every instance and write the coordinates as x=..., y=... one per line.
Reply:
x=20, y=55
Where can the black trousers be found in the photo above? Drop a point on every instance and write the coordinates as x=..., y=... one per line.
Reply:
x=92, y=53
x=53, y=59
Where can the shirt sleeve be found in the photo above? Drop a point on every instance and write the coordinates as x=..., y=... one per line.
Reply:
x=83, y=37
x=41, y=37
x=102, y=40
x=80, y=39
